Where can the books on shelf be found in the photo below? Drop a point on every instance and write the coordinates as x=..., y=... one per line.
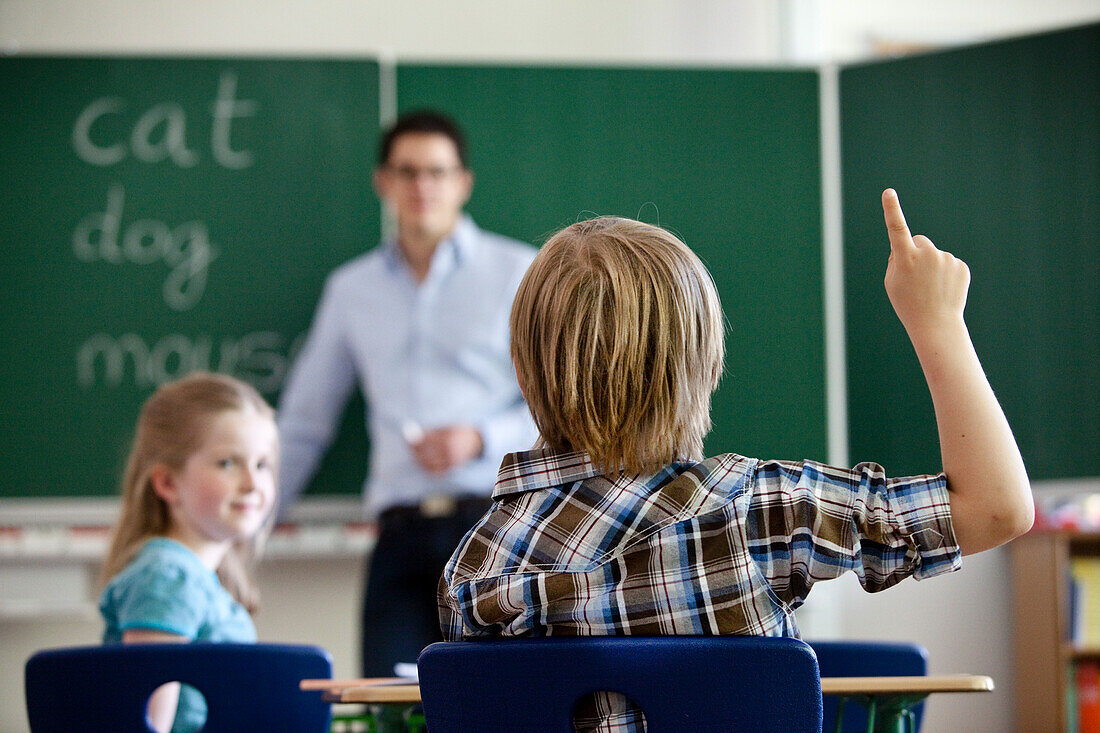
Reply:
x=1083, y=697
x=1084, y=602
x=1087, y=673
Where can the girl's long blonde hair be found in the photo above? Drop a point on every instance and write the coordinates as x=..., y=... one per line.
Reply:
x=172, y=425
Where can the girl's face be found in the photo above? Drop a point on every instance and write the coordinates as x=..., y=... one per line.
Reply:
x=226, y=488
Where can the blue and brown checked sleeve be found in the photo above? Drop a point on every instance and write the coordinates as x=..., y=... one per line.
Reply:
x=808, y=522
x=728, y=545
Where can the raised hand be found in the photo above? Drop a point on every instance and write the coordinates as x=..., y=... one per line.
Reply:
x=987, y=483
x=926, y=286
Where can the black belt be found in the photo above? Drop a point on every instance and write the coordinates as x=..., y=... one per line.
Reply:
x=436, y=506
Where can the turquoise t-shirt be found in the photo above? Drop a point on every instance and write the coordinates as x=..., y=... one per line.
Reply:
x=166, y=587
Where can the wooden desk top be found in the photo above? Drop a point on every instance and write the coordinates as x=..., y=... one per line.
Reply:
x=906, y=685
x=368, y=690
x=398, y=690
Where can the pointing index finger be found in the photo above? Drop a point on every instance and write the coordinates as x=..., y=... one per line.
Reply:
x=896, y=227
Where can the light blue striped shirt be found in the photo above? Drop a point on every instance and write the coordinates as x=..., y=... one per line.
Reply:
x=434, y=353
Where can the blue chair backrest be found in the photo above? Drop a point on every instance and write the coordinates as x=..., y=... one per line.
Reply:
x=248, y=687
x=685, y=683
x=867, y=659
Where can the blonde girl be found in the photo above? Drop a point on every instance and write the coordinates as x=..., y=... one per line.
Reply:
x=198, y=499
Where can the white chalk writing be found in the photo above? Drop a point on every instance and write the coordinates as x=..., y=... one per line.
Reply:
x=186, y=248
x=260, y=357
x=160, y=132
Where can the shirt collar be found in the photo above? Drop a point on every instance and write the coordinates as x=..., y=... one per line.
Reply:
x=462, y=241
x=464, y=238
x=541, y=468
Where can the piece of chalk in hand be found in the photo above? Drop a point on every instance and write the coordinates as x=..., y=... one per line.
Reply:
x=411, y=431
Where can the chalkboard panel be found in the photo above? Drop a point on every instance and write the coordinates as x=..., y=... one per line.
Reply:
x=995, y=152
x=727, y=159
x=165, y=214
x=161, y=215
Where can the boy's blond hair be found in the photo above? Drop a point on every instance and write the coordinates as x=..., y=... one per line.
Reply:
x=172, y=425
x=618, y=343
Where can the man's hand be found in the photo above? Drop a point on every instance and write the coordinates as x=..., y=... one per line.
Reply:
x=441, y=449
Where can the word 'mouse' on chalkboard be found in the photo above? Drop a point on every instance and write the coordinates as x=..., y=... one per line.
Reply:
x=161, y=216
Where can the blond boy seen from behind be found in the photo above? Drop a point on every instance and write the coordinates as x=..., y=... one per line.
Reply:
x=616, y=524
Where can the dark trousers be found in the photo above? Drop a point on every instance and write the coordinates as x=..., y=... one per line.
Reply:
x=400, y=612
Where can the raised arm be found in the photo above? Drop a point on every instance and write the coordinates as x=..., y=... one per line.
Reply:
x=990, y=493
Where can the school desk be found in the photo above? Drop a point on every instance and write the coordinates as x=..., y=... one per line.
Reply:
x=888, y=700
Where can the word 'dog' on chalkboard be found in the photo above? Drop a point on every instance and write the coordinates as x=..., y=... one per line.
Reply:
x=163, y=216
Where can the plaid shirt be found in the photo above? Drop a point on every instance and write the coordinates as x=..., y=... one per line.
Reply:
x=728, y=545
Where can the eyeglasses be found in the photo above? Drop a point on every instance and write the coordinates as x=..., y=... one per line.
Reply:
x=410, y=174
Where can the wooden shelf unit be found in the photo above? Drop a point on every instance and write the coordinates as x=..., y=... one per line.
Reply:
x=1042, y=651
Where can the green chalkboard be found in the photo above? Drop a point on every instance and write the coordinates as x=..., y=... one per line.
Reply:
x=162, y=215
x=727, y=159
x=995, y=152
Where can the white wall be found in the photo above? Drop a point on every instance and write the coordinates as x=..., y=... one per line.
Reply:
x=857, y=28
x=637, y=30
x=726, y=31
x=963, y=619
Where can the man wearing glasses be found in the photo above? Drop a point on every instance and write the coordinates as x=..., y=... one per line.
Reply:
x=421, y=325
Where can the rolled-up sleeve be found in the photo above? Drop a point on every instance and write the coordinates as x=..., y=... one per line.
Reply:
x=922, y=510
x=808, y=522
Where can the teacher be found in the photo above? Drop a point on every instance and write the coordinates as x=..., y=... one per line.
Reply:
x=421, y=325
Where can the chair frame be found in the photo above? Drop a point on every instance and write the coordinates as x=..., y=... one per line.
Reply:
x=868, y=659
x=682, y=683
x=246, y=686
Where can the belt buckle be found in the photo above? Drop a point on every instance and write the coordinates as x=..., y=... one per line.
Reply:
x=437, y=506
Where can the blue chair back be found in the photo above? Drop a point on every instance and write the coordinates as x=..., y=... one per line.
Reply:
x=248, y=687
x=867, y=659
x=681, y=683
